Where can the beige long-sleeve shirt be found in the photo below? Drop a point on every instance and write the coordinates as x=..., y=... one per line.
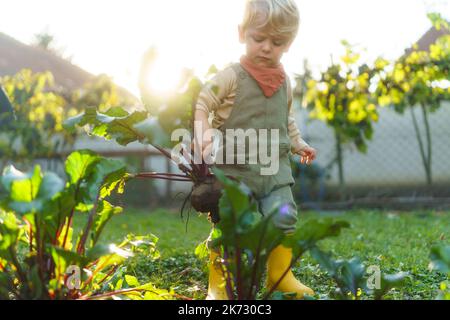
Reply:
x=217, y=98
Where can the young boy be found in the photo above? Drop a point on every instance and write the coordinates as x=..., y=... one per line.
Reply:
x=256, y=94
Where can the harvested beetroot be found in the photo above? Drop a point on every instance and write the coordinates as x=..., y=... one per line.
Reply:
x=205, y=197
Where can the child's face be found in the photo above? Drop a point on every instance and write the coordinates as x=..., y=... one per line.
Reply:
x=262, y=48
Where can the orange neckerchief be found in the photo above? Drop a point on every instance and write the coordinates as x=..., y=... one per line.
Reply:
x=268, y=79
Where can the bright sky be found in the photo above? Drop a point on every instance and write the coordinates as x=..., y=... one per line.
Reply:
x=110, y=36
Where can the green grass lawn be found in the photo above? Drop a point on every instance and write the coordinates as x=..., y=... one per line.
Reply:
x=393, y=241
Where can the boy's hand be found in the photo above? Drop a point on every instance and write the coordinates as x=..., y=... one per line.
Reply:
x=202, y=134
x=206, y=144
x=307, y=155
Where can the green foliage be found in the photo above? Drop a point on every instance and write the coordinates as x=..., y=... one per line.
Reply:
x=350, y=277
x=40, y=109
x=342, y=99
x=440, y=261
x=125, y=127
x=47, y=41
x=248, y=240
x=418, y=79
x=44, y=40
x=37, y=130
x=440, y=258
x=306, y=237
x=121, y=125
x=6, y=109
x=438, y=21
x=410, y=235
x=38, y=244
x=390, y=281
x=100, y=92
x=347, y=93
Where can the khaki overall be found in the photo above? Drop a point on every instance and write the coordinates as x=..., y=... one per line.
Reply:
x=252, y=110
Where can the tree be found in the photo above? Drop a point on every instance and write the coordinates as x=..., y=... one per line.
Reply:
x=44, y=40
x=419, y=80
x=37, y=130
x=47, y=41
x=342, y=99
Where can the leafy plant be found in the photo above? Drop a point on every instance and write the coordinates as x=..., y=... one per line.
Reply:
x=38, y=244
x=351, y=277
x=341, y=98
x=100, y=92
x=125, y=127
x=440, y=261
x=418, y=79
x=39, y=110
x=247, y=241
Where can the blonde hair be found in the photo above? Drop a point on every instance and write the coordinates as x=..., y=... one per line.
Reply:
x=281, y=17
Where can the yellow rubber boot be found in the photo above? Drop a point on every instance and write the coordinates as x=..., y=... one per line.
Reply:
x=216, y=284
x=279, y=260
